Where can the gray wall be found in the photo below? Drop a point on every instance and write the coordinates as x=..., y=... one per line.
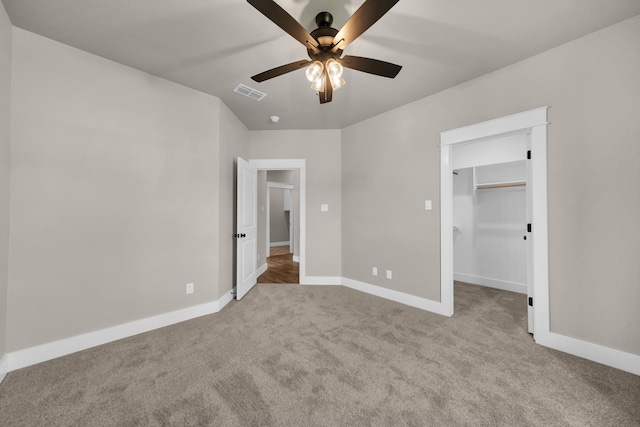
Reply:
x=278, y=219
x=234, y=143
x=321, y=149
x=283, y=177
x=262, y=218
x=391, y=165
x=115, y=191
x=296, y=213
x=5, y=138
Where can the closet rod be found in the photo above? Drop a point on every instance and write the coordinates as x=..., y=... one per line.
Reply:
x=502, y=185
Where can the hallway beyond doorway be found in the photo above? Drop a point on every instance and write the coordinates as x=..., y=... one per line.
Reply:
x=281, y=267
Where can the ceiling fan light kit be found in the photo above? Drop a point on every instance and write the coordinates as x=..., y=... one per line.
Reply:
x=315, y=71
x=325, y=46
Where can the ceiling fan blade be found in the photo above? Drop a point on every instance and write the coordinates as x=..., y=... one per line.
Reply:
x=282, y=19
x=283, y=69
x=371, y=66
x=327, y=95
x=360, y=21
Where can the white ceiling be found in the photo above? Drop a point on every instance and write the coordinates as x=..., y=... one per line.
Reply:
x=213, y=45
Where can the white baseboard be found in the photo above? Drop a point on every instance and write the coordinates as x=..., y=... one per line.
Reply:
x=225, y=299
x=264, y=267
x=279, y=243
x=491, y=283
x=41, y=353
x=19, y=359
x=4, y=367
x=296, y=259
x=320, y=280
x=597, y=353
x=410, y=300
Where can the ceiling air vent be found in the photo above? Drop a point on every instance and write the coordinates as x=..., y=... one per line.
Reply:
x=249, y=92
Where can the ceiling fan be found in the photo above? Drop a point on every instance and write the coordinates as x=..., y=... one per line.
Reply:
x=326, y=44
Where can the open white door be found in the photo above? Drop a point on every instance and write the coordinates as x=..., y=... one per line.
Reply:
x=246, y=232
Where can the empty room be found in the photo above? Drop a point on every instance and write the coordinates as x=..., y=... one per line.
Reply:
x=319, y=212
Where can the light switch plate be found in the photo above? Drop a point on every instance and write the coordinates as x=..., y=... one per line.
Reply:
x=324, y=208
x=427, y=205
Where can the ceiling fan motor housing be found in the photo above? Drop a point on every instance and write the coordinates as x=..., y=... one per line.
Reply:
x=324, y=35
x=324, y=19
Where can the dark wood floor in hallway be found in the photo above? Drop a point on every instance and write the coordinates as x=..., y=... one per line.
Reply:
x=281, y=267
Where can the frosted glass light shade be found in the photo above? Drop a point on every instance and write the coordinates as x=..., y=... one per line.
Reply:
x=318, y=85
x=337, y=83
x=315, y=71
x=334, y=69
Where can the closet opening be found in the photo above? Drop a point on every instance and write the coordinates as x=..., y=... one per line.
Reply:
x=489, y=235
x=514, y=138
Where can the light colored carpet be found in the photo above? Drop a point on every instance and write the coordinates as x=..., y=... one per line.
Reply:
x=327, y=356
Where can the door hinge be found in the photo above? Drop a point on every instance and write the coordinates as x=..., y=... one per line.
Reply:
x=529, y=155
x=528, y=228
x=530, y=301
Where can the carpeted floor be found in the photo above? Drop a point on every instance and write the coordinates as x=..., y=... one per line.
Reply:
x=327, y=356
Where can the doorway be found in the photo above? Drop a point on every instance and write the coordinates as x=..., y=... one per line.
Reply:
x=490, y=246
x=247, y=270
x=470, y=143
x=250, y=266
x=280, y=225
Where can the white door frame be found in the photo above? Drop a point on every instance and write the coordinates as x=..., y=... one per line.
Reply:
x=535, y=123
x=291, y=164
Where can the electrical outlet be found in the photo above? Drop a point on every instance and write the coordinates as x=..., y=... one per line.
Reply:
x=374, y=271
x=389, y=275
x=189, y=289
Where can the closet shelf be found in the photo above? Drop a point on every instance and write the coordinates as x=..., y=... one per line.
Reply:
x=500, y=184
